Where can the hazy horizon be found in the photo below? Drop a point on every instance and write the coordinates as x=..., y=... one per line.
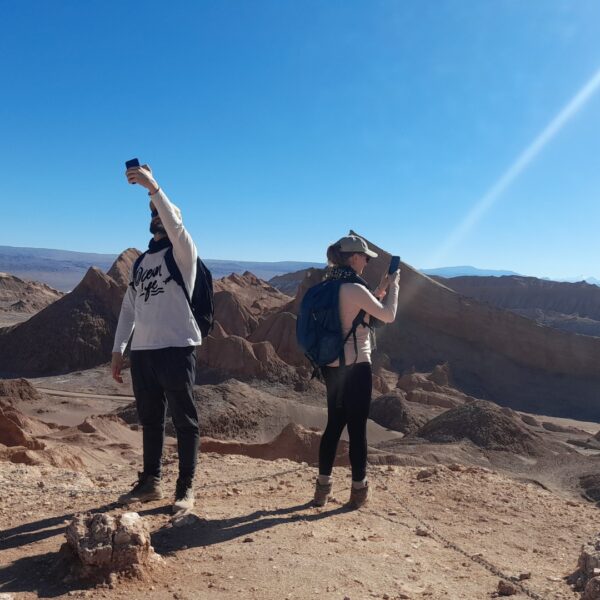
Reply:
x=110, y=256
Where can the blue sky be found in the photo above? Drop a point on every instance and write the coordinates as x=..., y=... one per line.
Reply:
x=276, y=126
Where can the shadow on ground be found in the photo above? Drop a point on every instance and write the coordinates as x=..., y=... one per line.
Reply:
x=203, y=533
x=43, y=574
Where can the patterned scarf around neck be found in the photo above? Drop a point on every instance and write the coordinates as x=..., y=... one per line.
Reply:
x=340, y=272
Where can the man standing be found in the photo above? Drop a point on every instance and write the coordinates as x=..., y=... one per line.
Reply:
x=163, y=358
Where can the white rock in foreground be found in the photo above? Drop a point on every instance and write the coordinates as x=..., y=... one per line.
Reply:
x=105, y=544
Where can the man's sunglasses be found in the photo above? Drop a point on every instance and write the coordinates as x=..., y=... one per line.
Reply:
x=154, y=213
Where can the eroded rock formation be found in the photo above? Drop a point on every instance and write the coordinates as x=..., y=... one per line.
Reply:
x=104, y=544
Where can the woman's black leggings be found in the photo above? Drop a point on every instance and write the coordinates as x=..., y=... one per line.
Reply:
x=348, y=401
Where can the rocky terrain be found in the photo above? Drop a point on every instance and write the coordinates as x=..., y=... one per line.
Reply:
x=73, y=332
x=491, y=352
x=20, y=299
x=440, y=529
x=484, y=483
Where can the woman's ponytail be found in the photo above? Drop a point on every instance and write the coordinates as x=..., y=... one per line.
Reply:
x=337, y=258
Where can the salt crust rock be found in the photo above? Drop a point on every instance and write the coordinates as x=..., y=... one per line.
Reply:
x=105, y=544
x=589, y=558
x=586, y=578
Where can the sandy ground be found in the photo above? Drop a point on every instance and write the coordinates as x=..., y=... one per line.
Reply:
x=449, y=535
x=589, y=426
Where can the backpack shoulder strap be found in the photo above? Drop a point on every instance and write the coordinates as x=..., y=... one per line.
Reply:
x=136, y=266
x=175, y=273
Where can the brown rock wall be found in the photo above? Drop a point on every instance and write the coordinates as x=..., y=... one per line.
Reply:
x=279, y=330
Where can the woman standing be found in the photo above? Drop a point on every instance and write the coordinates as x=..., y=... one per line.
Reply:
x=349, y=385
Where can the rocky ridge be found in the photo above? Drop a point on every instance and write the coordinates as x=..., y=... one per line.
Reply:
x=571, y=307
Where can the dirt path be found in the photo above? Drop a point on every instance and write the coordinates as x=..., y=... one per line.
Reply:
x=115, y=397
x=71, y=407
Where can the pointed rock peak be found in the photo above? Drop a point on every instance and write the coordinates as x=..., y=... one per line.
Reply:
x=11, y=277
x=377, y=267
x=95, y=280
x=441, y=375
x=121, y=268
x=233, y=277
x=251, y=277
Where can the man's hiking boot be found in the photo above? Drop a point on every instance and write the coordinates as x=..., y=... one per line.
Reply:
x=358, y=496
x=184, y=495
x=146, y=489
x=322, y=493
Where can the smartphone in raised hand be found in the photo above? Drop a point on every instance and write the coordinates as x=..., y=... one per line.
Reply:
x=129, y=164
x=394, y=265
x=134, y=162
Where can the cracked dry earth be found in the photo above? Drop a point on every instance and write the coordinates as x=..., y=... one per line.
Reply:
x=256, y=537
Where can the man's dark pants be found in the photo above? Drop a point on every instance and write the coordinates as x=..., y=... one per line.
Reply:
x=159, y=377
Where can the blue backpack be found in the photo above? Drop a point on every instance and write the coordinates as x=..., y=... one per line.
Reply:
x=319, y=327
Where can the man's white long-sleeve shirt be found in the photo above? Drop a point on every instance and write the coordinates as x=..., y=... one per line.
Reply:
x=155, y=308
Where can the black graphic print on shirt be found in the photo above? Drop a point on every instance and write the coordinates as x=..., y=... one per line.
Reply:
x=148, y=282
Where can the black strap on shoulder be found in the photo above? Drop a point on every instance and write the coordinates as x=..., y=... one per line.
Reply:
x=175, y=274
x=356, y=323
x=136, y=266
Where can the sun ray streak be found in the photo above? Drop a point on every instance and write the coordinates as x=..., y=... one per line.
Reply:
x=516, y=168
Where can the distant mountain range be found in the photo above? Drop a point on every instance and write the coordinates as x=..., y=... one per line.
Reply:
x=466, y=271
x=64, y=269
x=60, y=269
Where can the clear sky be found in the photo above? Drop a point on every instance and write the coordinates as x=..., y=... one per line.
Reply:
x=278, y=125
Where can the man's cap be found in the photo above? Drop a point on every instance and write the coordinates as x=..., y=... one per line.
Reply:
x=353, y=243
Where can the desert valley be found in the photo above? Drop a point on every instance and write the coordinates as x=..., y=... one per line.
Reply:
x=484, y=451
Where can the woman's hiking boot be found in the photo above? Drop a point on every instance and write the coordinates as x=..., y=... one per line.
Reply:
x=146, y=489
x=322, y=493
x=358, y=496
x=184, y=495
